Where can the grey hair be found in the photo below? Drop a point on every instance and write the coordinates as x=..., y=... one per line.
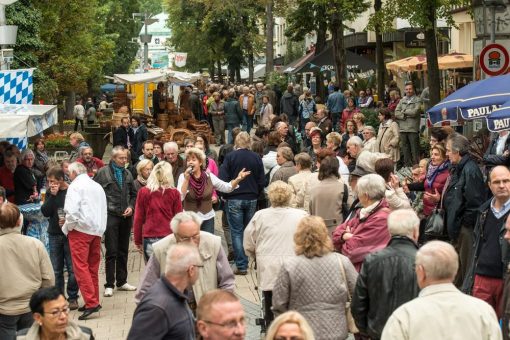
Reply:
x=170, y=146
x=355, y=140
x=25, y=153
x=403, y=222
x=117, y=149
x=369, y=128
x=371, y=185
x=458, y=143
x=439, y=260
x=286, y=153
x=180, y=257
x=279, y=124
x=77, y=168
x=82, y=149
x=142, y=164
x=184, y=216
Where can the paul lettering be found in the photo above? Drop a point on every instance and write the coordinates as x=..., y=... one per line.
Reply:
x=479, y=111
x=501, y=124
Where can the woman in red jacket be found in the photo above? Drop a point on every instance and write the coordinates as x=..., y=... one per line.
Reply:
x=156, y=205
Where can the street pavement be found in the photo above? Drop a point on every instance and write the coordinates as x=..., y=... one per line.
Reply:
x=114, y=320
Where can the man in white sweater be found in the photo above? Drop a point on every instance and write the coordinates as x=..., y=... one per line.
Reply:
x=85, y=223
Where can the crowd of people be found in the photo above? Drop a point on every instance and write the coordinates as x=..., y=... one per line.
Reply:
x=350, y=229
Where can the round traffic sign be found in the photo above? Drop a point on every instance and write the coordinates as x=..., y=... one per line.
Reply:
x=494, y=59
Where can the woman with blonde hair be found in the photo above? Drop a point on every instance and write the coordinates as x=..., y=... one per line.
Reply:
x=317, y=282
x=196, y=186
x=272, y=243
x=156, y=204
x=290, y=325
x=143, y=170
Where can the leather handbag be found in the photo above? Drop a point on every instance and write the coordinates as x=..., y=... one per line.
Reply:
x=351, y=325
x=434, y=225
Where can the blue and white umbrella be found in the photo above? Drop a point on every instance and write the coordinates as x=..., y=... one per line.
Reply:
x=499, y=119
x=476, y=100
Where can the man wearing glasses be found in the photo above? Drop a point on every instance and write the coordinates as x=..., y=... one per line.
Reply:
x=216, y=271
x=163, y=312
x=220, y=316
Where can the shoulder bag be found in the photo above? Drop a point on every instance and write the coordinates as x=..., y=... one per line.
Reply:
x=434, y=224
x=345, y=206
x=351, y=325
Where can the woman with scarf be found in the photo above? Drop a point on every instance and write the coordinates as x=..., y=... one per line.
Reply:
x=156, y=204
x=197, y=185
x=388, y=137
x=143, y=170
x=41, y=161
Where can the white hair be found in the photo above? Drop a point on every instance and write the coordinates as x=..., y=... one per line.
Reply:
x=117, y=150
x=25, y=153
x=371, y=185
x=142, y=164
x=439, y=260
x=279, y=124
x=180, y=257
x=182, y=217
x=355, y=140
x=403, y=222
x=170, y=146
x=77, y=168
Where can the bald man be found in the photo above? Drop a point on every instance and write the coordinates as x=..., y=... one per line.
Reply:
x=440, y=308
x=484, y=278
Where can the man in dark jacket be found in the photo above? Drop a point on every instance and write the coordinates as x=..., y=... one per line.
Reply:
x=387, y=278
x=233, y=114
x=163, y=312
x=140, y=135
x=289, y=104
x=242, y=202
x=336, y=104
x=464, y=192
x=196, y=105
x=498, y=151
x=490, y=250
x=123, y=135
x=117, y=183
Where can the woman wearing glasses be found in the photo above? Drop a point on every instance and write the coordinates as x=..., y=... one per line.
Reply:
x=290, y=326
x=50, y=310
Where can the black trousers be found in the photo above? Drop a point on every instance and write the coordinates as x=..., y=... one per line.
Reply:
x=76, y=122
x=268, y=303
x=10, y=324
x=118, y=230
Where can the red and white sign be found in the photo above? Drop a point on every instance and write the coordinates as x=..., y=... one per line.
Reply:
x=494, y=59
x=180, y=59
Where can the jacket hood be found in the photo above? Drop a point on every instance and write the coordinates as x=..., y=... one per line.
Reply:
x=288, y=95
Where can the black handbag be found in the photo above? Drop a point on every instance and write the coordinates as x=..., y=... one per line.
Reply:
x=434, y=225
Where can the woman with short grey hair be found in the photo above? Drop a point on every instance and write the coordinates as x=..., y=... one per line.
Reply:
x=367, y=230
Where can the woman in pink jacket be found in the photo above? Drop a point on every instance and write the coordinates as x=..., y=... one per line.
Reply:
x=367, y=230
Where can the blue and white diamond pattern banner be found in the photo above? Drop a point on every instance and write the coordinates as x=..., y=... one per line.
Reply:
x=16, y=86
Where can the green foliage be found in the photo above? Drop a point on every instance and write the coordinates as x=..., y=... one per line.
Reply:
x=276, y=78
x=149, y=6
x=371, y=118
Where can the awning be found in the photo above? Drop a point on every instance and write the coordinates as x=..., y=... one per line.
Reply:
x=24, y=120
x=157, y=76
x=290, y=68
x=419, y=62
x=259, y=71
x=324, y=61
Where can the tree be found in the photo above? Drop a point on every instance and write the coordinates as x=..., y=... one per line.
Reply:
x=269, y=37
x=422, y=14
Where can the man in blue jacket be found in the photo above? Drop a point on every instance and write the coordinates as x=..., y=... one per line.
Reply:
x=335, y=105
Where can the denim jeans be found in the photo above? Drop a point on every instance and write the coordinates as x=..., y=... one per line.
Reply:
x=239, y=214
x=147, y=246
x=10, y=324
x=247, y=121
x=208, y=225
x=60, y=253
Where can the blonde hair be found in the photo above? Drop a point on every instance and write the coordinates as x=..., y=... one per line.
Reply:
x=78, y=136
x=279, y=194
x=161, y=177
x=199, y=154
x=243, y=140
x=290, y=317
x=312, y=238
x=334, y=137
x=142, y=164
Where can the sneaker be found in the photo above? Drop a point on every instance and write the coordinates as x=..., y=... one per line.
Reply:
x=73, y=305
x=240, y=272
x=108, y=292
x=127, y=287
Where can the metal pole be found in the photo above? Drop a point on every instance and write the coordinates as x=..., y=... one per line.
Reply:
x=3, y=20
x=493, y=23
x=145, y=69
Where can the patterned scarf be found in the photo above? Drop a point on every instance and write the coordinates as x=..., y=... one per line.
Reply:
x=117, y=173
x=433, y=171
x=141, y=180
x=198, y=186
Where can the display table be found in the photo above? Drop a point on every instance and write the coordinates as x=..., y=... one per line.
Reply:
x=37, y=224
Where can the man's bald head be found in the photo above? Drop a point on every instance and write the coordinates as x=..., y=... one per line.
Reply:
x=439, y=262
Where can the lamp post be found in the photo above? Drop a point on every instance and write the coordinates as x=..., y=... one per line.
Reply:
x=145, y=38
x=494, y=5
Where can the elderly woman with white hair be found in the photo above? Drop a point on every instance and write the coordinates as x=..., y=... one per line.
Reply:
x=25, y=183
x=197, y=185
x=143, y=170
x=369, y=139
x=367, y=230
x=271, y=243
x=156, y=204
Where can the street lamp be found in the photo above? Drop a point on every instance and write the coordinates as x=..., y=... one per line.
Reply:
x=494, y=5
x=145, y=38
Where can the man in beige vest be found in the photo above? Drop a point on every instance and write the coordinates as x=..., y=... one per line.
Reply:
x=216, y=272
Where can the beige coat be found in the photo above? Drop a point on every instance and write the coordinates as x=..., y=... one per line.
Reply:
x=326, y=201
x=441, y=311
x=298, y=183
x=388, y=139
x=284, y=172
x=271, y=243
x=73, y=332
x=371, y=145
x=25, y=267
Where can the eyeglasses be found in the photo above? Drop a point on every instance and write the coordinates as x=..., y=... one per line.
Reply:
x=288, y=338
x=58, y=312
x=198, y=265
x=229, y=324
x=187, y=239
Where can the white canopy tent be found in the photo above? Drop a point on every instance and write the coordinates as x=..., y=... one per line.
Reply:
x=157, y=76
x=24, y=120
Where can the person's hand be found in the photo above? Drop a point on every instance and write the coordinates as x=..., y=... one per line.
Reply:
x=346, y=236
x=506, y=153
x=405, y=188
x=54, y=189
x=243, y=174
x=61, y=222
x=434, y=197
x=394, y=181
x=128, y=212
x=139, y=248
x=188, y=172
x=214, y=200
